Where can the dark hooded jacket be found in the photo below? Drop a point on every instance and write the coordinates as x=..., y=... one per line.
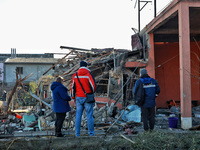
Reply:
x=150, y=87
x=60, y=98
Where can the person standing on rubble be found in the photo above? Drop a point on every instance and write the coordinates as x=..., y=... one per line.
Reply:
x=146, y=90
x=4, y=97
x=88, y=83
x=60, y=104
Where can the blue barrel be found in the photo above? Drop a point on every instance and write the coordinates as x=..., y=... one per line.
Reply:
x=173, y=122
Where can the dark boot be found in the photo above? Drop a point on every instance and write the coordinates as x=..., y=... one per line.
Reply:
x=59, y=134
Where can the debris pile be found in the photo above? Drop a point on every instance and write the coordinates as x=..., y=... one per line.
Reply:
x=108, y=68
x=114, y=109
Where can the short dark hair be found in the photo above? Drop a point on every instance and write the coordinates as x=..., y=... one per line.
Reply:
x=59, y=79
x=83, y=64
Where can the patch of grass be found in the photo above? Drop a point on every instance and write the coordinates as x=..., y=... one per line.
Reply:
x=160, y=141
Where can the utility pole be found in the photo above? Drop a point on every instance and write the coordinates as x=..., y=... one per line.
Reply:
x=139, y=15
x=155, y=9
x=140, y=9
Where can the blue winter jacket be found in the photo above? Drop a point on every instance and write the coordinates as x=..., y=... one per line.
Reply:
x=151, y=88
x=60, y=98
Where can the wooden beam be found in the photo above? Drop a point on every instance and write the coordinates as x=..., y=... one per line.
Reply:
x=58, y=62
x=100, y=57
x=73, y=48
x=18, y=82
x=37, y=98
x=127, y=139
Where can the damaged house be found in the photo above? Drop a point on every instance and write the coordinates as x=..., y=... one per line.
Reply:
x=173, y=55
x=109, y=69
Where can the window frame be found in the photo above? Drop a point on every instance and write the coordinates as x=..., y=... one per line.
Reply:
x=19, y=70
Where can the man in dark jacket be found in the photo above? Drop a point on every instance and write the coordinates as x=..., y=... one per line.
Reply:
x=60, y=103
x=146, y=89
x=4, y=98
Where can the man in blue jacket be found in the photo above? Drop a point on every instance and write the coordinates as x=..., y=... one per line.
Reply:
x=60, y=104
x=145, y=91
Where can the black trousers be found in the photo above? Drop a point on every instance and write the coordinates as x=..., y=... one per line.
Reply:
x=148, y=118
x=60, y=117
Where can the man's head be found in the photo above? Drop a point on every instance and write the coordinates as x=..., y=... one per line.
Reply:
x=83, y=64
x=143, y=72
x=59, y=79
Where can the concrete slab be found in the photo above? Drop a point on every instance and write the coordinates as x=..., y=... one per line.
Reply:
x=52, y=133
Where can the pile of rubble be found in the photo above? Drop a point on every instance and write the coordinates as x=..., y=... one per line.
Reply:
x=114, y=108
x=127, y=121
x=108, y=68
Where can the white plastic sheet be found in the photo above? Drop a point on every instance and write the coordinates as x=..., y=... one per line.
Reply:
x=132, y=114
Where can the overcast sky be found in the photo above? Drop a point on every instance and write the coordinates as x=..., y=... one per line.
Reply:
x=42, y=26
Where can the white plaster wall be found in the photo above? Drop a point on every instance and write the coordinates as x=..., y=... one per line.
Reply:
x=37, y=70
